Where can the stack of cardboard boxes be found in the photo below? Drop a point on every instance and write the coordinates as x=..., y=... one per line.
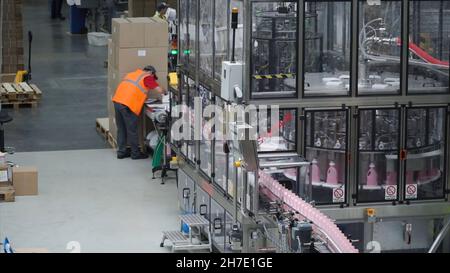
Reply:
x=146, y=8
x=17, y=181
x=12, y=39
x=136, y=43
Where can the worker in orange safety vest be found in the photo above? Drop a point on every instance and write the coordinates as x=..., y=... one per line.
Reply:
x=128, y=101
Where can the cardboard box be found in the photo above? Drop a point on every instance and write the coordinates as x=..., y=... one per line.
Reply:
x=31, y=250
x=130, y=59
x=25, y=181
x=126, y=34
x=157, y=34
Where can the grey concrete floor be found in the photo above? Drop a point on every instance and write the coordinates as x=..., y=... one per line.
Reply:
x=71, y=75
x=88, y=196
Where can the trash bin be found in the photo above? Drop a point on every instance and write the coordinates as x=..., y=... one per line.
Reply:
x=98, y=38
x=77, y=20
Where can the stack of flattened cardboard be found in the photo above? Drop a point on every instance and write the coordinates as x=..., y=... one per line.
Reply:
x=12, y=39
x=7, y=192
x=136, y=43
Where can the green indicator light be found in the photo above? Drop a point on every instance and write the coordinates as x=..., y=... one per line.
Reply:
x=174, y=52
x=187, y=52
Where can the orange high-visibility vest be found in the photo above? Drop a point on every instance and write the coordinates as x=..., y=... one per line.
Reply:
x=132, y=91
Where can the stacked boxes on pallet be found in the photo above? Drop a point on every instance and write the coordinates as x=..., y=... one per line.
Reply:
x=12, y=38
x=136, y=43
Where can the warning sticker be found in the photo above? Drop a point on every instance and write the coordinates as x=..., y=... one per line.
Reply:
x=339, y=195
x=390, y=192
x=411, y=191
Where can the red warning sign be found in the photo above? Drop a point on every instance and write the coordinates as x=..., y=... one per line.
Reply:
x=338, y=195
x=411, y=191
x=391, y=192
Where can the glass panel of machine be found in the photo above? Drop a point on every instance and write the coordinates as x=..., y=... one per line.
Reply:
x=220, y=157
x=327, y=48
x=191, y=99
x=239, y=52
x=286, y=140
x=220, y=35
x=380, y=28
x=326, y=148
x=192, y=28
x=205, y=142
x=184, y=100
x=429, y=47
x=206, y=36
x=218, y=225
x=184, y=35
x=274, y=49
x=234, y=174
x=203, y=203
x=232, y=237
x=378, y=155
x=186, y=192
x=425, y=172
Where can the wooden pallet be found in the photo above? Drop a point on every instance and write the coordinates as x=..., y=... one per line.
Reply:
x=102, y=127
x=12, y=92
x=20, y=104
x=112, y=141
x=7, y=194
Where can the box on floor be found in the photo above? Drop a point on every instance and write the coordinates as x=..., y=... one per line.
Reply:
x=25, y=181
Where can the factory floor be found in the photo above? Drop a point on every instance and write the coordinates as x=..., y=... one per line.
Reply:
x=86, y=195
x=73, y=80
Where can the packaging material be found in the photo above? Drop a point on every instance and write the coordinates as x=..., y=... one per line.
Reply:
x=31, y=250
x=11, y=38
x=126, y=34
x=5, y=176
x=157, y=34
x=130, y=59
x=98, y=38
x=25, y=181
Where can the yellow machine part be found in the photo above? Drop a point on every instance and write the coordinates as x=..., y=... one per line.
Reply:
x=20, y=76
x=173, y=79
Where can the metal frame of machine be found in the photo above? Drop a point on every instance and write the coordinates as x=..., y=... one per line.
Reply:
x=351, y=211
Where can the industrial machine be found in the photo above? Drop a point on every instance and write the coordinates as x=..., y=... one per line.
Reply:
x=358, y=92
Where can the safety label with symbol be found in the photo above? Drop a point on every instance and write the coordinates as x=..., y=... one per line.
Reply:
x=390, y=192
x=411, y=191
x=338, y=195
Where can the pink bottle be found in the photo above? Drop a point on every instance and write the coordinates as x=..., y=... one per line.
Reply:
x=423, y=176
x=332, y=174
x=315, y=171
x=372, y=176
x=409, y=177
x=391, y=178
x=434, y=173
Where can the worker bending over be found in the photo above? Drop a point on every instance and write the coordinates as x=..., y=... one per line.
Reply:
x=128, y=101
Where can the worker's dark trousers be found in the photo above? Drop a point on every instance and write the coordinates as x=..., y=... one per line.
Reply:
x=127, y=130
x=56, y=8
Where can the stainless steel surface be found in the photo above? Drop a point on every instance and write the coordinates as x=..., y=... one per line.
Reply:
x=440, y=237
x=194, y=220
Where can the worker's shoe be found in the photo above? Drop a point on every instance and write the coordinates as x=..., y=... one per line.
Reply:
x=123, y=156
x=140, y=156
